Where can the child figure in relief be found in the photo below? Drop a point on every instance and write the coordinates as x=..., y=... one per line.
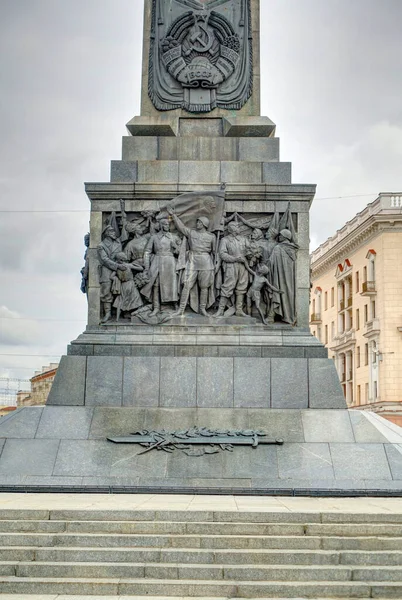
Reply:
x=127, y=295
x=254, y=292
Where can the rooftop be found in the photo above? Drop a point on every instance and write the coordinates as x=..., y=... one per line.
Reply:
x=387, y=203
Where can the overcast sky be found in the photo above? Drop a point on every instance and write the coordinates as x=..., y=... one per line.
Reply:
x=70, y=80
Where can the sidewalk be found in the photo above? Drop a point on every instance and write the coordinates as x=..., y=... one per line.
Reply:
x=111, y=502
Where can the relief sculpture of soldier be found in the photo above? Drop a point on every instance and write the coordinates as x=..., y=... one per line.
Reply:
x=136, y=246
x=283, y=265
x=160, y=266
x=233, y=251
x=108, y=250
x=85, y=269
x=199, y=268
x=255, y=259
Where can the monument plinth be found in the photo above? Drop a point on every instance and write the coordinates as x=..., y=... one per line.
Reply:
x=197, y=274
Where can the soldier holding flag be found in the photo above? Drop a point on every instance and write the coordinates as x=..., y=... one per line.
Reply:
x=199, y=265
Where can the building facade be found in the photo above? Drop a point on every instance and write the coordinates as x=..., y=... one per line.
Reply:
x=356, y=305
x=41, y=384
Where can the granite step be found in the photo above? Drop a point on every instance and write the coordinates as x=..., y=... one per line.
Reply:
x=194, y=588
x=203, y=528
x=187, y=516
x=373, y=558
x=360, y=543
x=336, y=543
x=80, y=597
x=164, y=527
x=180, y=572
x=185, y=555
x=305, y=527
x=154, y=527
x=201, y=553
x=115, y=540
x=205, y=556
x=201, y=556
x=174, y=541
x=353, y=529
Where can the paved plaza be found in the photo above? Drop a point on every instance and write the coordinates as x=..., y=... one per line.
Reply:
x=169, y=502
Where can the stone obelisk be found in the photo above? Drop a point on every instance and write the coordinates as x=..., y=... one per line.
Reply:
x=198, y=292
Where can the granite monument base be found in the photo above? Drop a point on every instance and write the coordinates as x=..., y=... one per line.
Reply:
x=324, y=451
x=200, y=366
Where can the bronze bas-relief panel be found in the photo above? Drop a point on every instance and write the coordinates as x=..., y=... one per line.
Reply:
x=201, y=55
x=192, y=259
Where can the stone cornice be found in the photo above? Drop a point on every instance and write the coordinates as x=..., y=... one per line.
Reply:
x=166, y=191
x=382, y=214
x=353, y=241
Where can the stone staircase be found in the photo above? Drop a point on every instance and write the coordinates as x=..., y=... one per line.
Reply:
x=201, y=554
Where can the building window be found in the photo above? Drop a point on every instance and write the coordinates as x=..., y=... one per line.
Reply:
x=333, y=330
x=359, y=394
x=341, y=323
x=366, y=354
x=349, y=320
x=373, y=309
x=375, y=390
x=326, y=301
x=317, y=305
x=357, y=319
x=326, y=334
x=365, y=313
x=332, y=296
x=372, y=267
x=357, y=282
x=357, y=357
x=365, y=274
x=366, y=392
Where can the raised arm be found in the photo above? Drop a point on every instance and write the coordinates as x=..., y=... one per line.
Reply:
x=180, y=225
x=178, y=222
x=248, y=223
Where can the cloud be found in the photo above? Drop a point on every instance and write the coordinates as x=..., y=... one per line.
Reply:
x=372, y=163
x=17, y=331
x=71, y=77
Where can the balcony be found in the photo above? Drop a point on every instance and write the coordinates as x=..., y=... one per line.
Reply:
x=315, y=318
x=371, y=328
x=345, y=339
x=368, y=288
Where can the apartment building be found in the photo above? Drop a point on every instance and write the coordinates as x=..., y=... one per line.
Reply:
x=41, y=384
x=356, y=305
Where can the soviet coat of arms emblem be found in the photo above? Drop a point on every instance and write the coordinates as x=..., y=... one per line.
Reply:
x=200, y=55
